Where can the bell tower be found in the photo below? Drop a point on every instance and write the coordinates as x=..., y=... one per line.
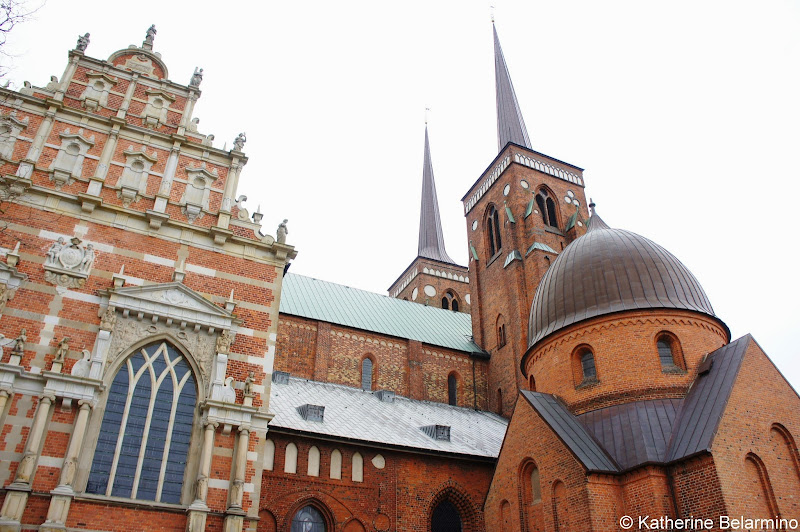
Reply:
x=521, y=213
x=433, y=278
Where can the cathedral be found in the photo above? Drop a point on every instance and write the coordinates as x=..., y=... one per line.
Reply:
x=162, y=370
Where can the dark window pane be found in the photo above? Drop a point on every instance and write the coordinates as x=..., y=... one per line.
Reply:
x=445, y=518
x=366, y=374
x=452, y=398
x=587, y=363
x=665, y=353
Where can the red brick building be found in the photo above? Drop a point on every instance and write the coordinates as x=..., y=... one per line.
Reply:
x=162, y=371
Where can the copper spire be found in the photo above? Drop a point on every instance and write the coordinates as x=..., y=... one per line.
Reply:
x=510, y=125
x=431, y=239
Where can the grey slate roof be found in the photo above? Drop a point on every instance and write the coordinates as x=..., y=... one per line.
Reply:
x=342, y=305
x=574, y=435
x=704, y=405
x=510, y=125
x=611, y=270
x=431, y=238
x=355, y=414
x=634, y=433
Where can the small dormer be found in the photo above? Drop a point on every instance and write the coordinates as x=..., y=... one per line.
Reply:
x=133, y=182
x=97, y=89
x=437, y=432
x=69, y=161
x=311, y=412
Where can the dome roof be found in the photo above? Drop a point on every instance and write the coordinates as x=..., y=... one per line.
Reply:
x=611, y=270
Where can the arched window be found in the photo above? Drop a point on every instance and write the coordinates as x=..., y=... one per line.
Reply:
x=531, y=383
x=669, y=352
x=501, y=332
x=290, y=460
x=269, y=455
x=358, y=468
x=588, y=367
x=547, y=207
x=500, y=401
x=366, y=374
x=454, y=305
x=761, y=499
x=452, y=389
x=143, y=442
x=336, y=464
x=313, y=462
x=450, y=301
x=584, y=366
x=560, y=508
x=531, y=495
x=445, y=303
x=308, y=519
x=446, y=518
x=493, y=231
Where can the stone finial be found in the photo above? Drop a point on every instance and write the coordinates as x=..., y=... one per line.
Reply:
x=257, y=216
x=282, y=232
x=238, y=142
x=151, y=35
x=197, y=77
x=83, y=42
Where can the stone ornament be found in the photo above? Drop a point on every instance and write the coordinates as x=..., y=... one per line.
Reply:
x=238, y=143
x=226, y=393
x=248, y=384
x=81, y=367
x=109, y=319
x=197, y=77
x=68, y=266
x=62, y=350
x=83, y=42
x=282, y=232
x=224, y=342
x=150, y=37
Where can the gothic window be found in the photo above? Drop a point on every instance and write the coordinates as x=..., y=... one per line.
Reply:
x=445, y=303
x=493, y=231
x=501, y=332
x=446, y=518
x=143, y=442
x=358, y=468
x=452, y=389
x=308, y=519
x=454, y=305
x=547, y=208
x=366, y=374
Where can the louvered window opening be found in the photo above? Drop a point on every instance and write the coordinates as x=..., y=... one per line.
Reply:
x=144, y=438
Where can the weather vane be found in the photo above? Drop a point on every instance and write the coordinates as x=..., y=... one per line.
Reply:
x=427, y=110
x=491, y=12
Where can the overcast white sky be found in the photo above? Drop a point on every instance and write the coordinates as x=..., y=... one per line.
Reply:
x=684, y=114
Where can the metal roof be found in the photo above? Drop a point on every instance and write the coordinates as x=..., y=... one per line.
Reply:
x=634, y=433
x=574, y=435
x=431, y=238
x=510, y=125
x=704, y=405
x=361, y=415
x=611, y=270
x=320, y=300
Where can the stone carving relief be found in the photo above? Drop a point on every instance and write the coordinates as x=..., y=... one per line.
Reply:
x=198, y=189
x=133, y=182
x=128, y=331
x=68, y=265
x=10, y=128
x=155, y=112
x=96, y=92
x=69, y=161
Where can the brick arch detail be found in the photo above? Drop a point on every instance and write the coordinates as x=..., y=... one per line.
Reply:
x=791, y=446
x=766, y=485
x=524, y=485
x=453, y=492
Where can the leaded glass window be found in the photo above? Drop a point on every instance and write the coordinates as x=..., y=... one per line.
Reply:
x=308, y=519
x=144, y=438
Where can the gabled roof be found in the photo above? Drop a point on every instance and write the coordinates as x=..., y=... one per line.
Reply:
x=703, y=407
x=342, y=305
x=574, y=435
x=355, y=414
x=431, y=238
x=510, y=125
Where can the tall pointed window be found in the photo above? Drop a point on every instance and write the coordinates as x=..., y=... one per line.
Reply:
x=144, y=437
x=547, y=207
x=450, y=301
x=366, y=374
x=308, y=519
x=493, y=231
x=452, y=389
x=446, y=518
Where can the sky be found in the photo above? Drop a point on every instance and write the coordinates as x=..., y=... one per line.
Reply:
x=684, y=114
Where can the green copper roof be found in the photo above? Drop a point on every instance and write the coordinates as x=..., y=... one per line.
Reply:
x=320, y=300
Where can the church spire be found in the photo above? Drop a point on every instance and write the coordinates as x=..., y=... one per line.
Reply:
x=510, y=125
x=431, y=239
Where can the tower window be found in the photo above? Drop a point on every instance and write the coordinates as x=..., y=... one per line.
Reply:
x=669, y=353
x=366, y=374
x=501, y=335
x=493, y=231
x=452, y=390
x=445, y=303
x=547, y=207
x=588, y=367
x=449, y=301
x=584, y=366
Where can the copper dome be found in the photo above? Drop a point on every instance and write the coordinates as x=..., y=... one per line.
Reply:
x=611, y=270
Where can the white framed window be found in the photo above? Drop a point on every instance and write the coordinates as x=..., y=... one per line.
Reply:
x=143, y=443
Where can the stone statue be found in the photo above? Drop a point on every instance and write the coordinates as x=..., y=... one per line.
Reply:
x=224, y=342
x=197, y=77
x=248, y=384
x=237, y=492
x=238, y=143
x=83, y=42
x=151, y=34
x=282, y=232
x=88, y=258
x=109, y=319
x=63, y=348
x=55, y=249
x=68, y=473
x=202, y=487
x=25, y=468
x=19, y=343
